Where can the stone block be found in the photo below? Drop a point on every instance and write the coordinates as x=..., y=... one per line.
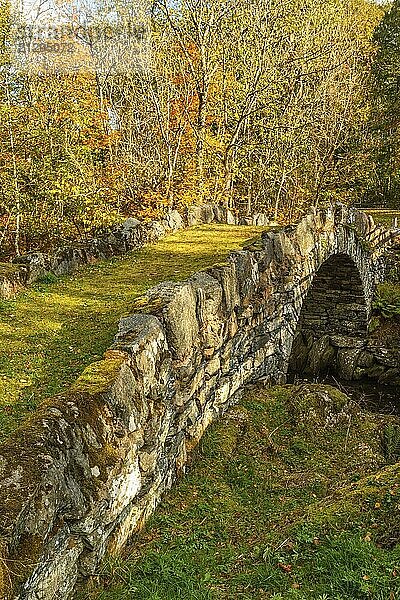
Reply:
x=179, y=316
x=174, y=220
x=37, y=264
x=209, y=308
x=366, y=360
x=305, y=235
x=226, y=275
x=231, y=218
x=322, y=357
x=260, y=219
x=198, y=215
x=343, y=341
x=347, y=360
x=220, y=213
x=247, y=274
x=128, y=225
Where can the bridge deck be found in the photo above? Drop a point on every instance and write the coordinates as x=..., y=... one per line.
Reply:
x=51, y=332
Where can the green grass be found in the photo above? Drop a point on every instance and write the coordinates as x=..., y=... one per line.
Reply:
x=52, y=331
x=288, y=497
x=383, y=216
x=387, y=300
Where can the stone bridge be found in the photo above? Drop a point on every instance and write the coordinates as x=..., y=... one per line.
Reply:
x=86, y=470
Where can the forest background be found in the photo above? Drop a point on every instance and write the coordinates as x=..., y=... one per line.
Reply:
x=129, y=107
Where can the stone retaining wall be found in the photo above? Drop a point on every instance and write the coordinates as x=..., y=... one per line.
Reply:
x=88, y=468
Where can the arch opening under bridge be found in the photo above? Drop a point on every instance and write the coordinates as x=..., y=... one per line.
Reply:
x=334, y=314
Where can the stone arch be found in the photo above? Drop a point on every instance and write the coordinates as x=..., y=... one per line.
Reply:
x=334, y=314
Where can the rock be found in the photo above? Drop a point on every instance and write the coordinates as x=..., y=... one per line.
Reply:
x=197, y=215
x=347, y=361
x=12, y=279
x=179, y=315
x=390, y=377
x=228, y=280
x=231, y=219
x=342, y=341
x=299, y=354
x=390, y=357
x=260, y=219
x=156, y=230
x=209, y=308
x=67, y=260
x=305, y=235
x=220, y=213
x=321, y=358
x=361, y=223
x=246, y=267
x=366, y=360
x=375, y=371
x=174, y=220
x=138, y=329
x=128, y=225
x=37, y=264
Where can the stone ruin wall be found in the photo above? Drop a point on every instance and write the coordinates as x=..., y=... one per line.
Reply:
x=86, y=470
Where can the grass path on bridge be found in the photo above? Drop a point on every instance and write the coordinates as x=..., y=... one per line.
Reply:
x=383, y=216
x=52, y=331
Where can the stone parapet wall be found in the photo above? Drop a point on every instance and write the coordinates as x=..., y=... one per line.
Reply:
x=89, y=466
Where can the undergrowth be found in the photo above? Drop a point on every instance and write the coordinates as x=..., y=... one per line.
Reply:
x=290, y=496
x=50, y=333
x=387, y=300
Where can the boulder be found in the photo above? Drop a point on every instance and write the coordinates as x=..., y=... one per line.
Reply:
x=260, y=219
x=179, y=316
x=321, y=358
x=37, y=264
x=174, y=220
x=347, y=361
x=197, y=215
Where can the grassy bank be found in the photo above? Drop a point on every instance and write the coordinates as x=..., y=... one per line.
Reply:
x=383, y=216
x=295, y=495
x=52, y=331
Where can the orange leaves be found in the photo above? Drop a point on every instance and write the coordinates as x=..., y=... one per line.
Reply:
x=286, y=568
x=193, y=52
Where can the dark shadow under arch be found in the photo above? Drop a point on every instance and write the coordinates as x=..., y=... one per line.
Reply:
x=333, y=310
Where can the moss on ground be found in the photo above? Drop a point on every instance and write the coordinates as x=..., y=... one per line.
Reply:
x=49, y=334
x=288, y=497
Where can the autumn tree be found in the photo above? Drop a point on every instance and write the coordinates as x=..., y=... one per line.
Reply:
x=53, y=167
x=385, y=99
x=257, y=105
